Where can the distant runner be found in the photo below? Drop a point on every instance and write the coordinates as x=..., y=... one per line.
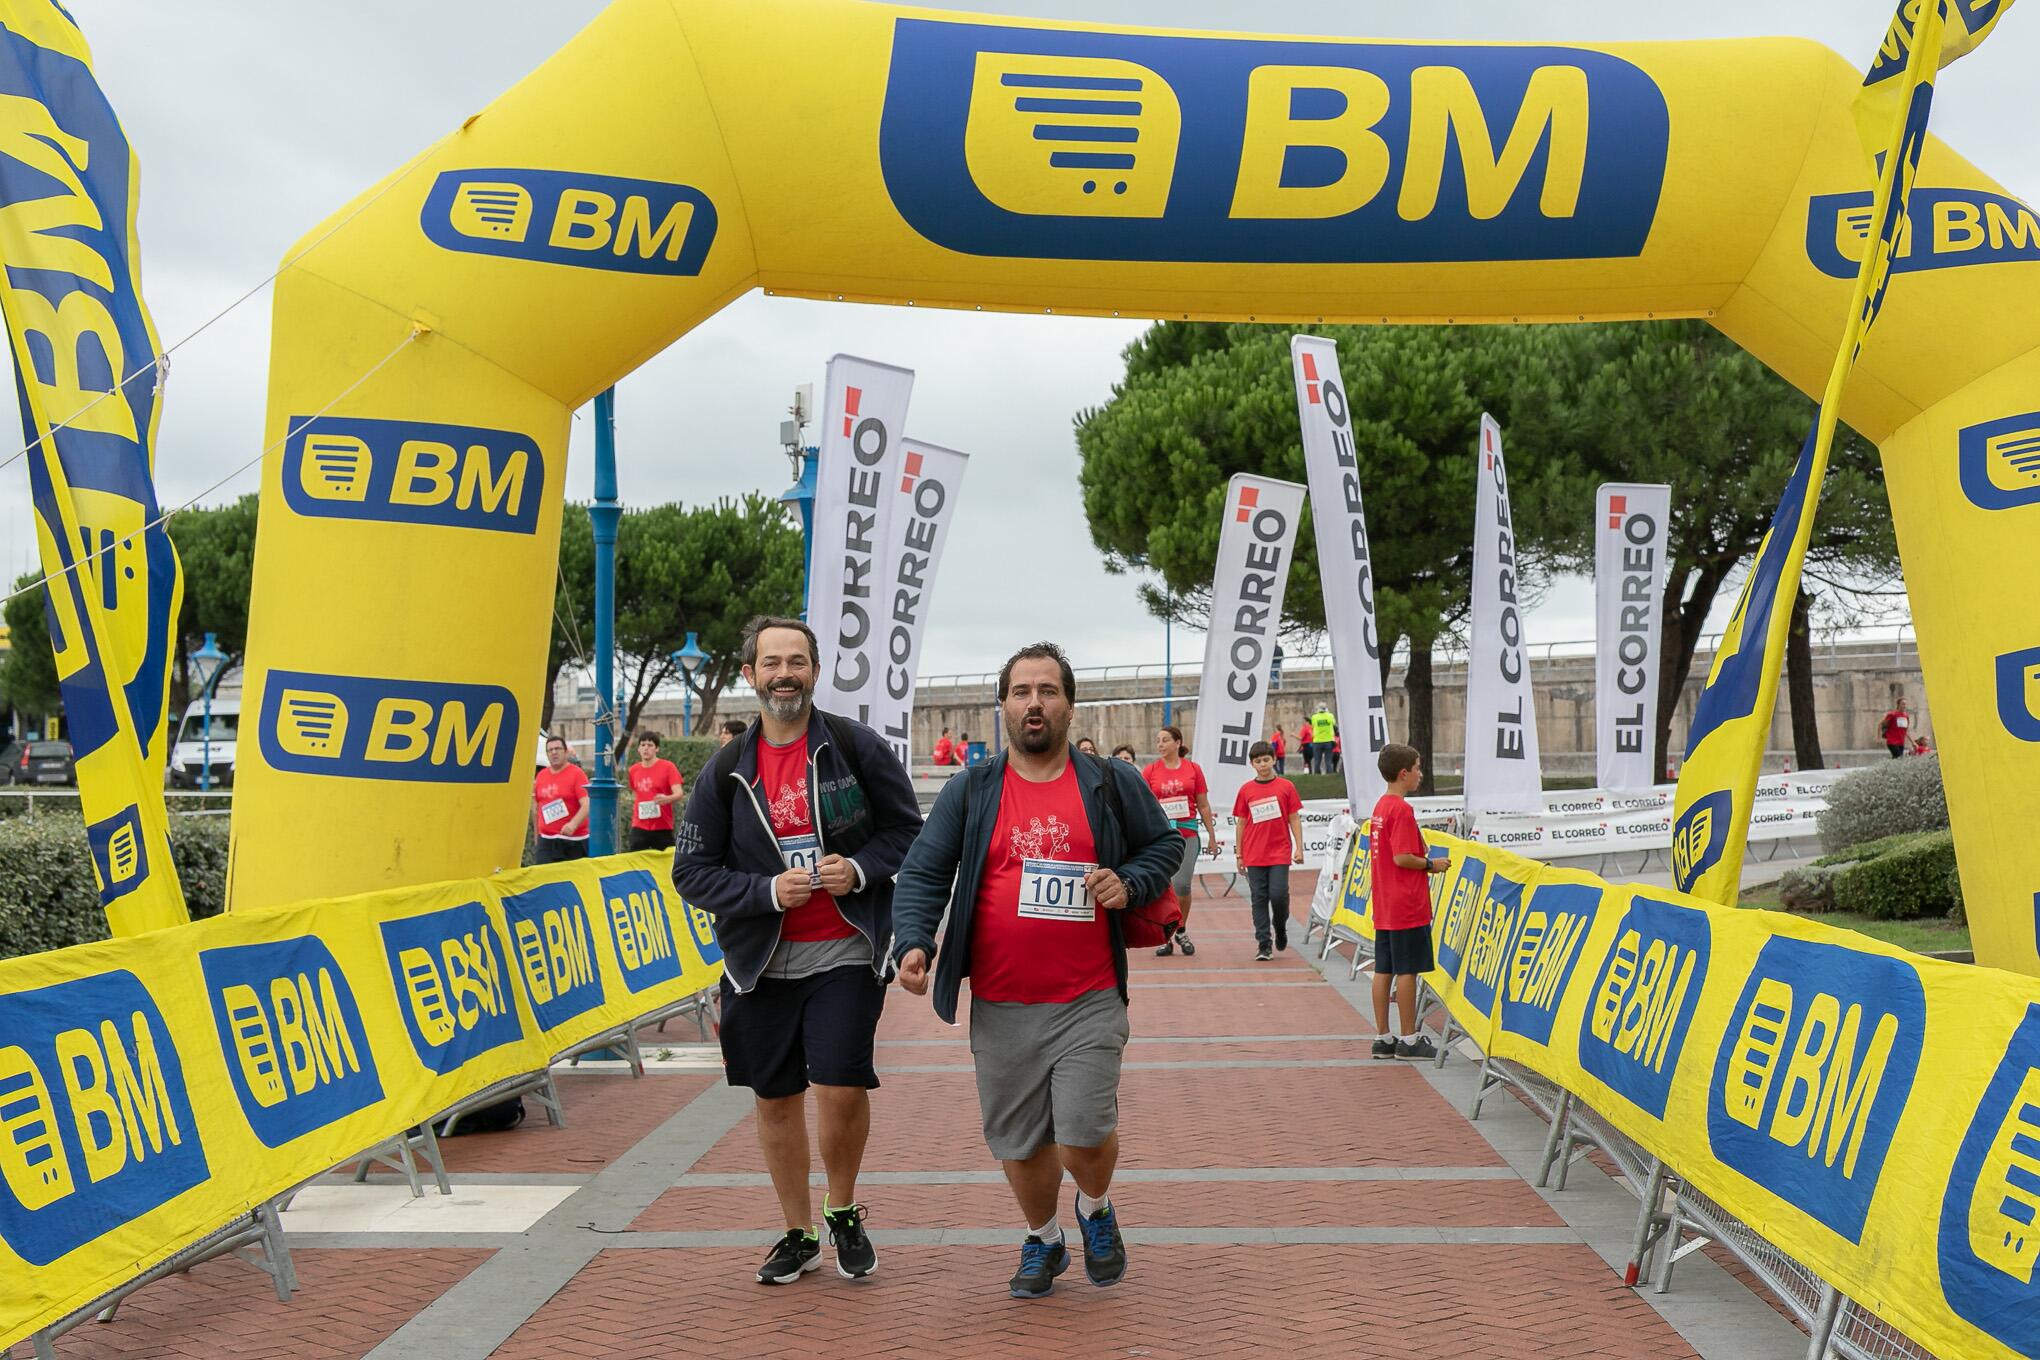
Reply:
x=655, y=785
x=559, y=807
x=1185, y=797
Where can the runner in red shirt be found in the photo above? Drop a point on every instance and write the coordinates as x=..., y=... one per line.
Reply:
x=1280, y=745
x=559, y=808
x=1896, y=729
x=655, y=785
x=1401, y=904
x=1268, y=838
x=783, y=784
x=1185, y=798
x=944, y=744
x=1027, y=942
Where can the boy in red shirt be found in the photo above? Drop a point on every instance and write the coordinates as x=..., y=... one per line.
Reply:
x=1268, y=831
x=655, y=785
x=1401, y=904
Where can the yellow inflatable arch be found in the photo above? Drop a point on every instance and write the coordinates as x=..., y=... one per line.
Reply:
x=680, y=152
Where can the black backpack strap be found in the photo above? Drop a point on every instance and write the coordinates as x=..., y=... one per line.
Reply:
x=845, y=741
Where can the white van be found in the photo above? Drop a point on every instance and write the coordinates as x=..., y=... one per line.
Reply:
x=188, y=754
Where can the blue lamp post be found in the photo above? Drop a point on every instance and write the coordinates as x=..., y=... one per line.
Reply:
x=689, y=660
x=209, y=661
x=604, y=513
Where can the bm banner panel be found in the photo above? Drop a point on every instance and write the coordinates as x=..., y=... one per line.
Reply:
x=155, y=1088
x=1873, y=1113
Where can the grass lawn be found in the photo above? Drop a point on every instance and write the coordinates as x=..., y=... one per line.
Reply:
x=1932, y=936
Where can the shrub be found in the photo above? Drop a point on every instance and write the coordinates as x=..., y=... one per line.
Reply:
x=1856, y=854
x=49, y=898
x=1808, y=889
x=1902, y=884
x=1885, y=799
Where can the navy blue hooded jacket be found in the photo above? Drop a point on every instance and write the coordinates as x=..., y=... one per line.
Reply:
x=725, y=855
x=1142, y=846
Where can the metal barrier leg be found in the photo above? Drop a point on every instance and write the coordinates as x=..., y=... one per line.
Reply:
x=1557, y=1141
x=1647, y=1218
x=1668, y=1249
x=1824, y=1321
x=548, y=1096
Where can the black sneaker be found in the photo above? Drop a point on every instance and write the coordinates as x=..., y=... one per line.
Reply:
x=1264, y=955
x=1039, y=1265
x=1282, y=936
x=855, y=1256
x=1168, y=948
x=1419, y=1048
x=1384, y=1047
x=792, y=1257
x=1104, y=1249
x=1184, y=940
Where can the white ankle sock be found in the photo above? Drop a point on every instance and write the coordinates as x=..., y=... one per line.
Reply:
x=1086, y=1206
x=1051, y=1234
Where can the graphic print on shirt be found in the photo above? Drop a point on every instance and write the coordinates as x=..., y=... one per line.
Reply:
x=789, y=808
x=1052, y=886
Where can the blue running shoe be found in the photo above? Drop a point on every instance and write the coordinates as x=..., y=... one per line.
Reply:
x=1104, y=1248
x=1040, y=1263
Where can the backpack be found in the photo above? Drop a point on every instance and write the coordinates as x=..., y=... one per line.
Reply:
x=500, y=1117
x=1140, y=926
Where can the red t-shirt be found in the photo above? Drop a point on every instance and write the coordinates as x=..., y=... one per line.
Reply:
x=783, y=784
x=1402, y=897
x=558, y=795
x=1277, y=742
x=1896, y=724
x=1263, y=808
x=1036, y=936
x=1176, y=790
x=1303, y=736
x=943, y=746
x=661, y=776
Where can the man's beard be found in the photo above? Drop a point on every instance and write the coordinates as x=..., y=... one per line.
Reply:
x=786, y=707
x=1048, y=737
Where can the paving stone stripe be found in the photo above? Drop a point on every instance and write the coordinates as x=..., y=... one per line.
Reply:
x=1137, y=1176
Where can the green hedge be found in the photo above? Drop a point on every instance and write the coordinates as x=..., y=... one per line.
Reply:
x=48, y=897
x=1905, y=882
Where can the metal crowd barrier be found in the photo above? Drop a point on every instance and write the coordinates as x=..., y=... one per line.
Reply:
x=1835, y=1324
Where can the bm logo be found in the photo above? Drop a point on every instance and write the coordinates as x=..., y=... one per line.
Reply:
x=96, y=1125
x=1642, y=1003
x=555, y=952
x=411, y=472
x=1487, y=949
x=119, y=858
x=1045, y=144
x=296, y=1049
x=1355, y=889
x=452, y=985
x=1943, y=228
x=1543, y=948
x=633, y=226
x=1998, y=462
x=1700, y=836
x=1813, y=1073
x=1990, y=1215
x=362, y=727
x=2018, y=693
x=1455, y=922
x=643, y=929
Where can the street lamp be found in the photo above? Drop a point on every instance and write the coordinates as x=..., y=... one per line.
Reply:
x=690, y=659
x=208, y=661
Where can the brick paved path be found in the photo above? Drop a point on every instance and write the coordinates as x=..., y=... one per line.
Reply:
x=1282, y=1194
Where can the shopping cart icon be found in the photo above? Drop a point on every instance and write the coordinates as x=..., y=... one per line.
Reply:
x=2002, y=1208
x=1757, y=1051
x=1072, y=136
x=254, y=1044
x=32, y=1160
x=488, y=211
x=335, y=467
x=2013, y=459
x=310, y=723
x=426, y=991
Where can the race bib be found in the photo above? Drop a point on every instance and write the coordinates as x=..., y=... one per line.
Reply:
x=1054, y=890
x=1267, y=810
x=1176, y=809
x=802, y=852
x=1902, y=723
x=555, y=811
x=647, y=811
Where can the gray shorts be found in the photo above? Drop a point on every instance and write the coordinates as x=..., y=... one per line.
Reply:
x=1187, y=870
x=1048, y=1073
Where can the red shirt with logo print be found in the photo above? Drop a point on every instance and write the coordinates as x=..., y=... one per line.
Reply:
x=783, y=786
x=1034, y=936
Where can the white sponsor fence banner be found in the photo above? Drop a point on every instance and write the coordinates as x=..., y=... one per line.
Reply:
x=856, y=480
x=1575, y=823
x=1343, y=561
x=925, y=496
x=1629, y=592
x=1503, y=773
x=1255, y=544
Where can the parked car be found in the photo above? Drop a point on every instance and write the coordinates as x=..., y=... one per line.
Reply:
x=188, y=756
x=38, y=762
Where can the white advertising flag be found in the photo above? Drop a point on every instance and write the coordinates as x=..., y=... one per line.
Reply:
x=1629, y=593
x=1254, y=548
x=856, y=479
x=1343, y=561
x=1503, y=773
x=925, y=503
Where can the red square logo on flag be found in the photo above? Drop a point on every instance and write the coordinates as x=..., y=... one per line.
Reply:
x=1250, y=496
x=1617, y=507
x=851, y=398
x=1310, y=379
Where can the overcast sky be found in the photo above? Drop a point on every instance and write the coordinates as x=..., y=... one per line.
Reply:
x=253, y=120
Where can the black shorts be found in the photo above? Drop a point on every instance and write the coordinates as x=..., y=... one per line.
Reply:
x=558, y=850
x=780, y=1036
x=650, y=838
x=1397, y=952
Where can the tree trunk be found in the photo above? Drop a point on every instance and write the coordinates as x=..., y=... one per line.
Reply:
x=545, y=703
x=1799, y=686
x=1417, y=684
x=1684, y=624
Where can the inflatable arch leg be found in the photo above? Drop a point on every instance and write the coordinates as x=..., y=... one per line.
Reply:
x=680, y=152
